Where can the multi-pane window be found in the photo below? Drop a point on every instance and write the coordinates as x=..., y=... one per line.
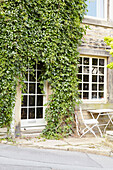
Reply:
x=96, y=8
x=32, y=104
x=92, y=78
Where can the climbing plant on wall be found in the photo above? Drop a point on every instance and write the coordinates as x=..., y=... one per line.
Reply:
x=47, y=31
x=109, y=42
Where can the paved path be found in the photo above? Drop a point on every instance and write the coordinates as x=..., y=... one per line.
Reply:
x=19, y=158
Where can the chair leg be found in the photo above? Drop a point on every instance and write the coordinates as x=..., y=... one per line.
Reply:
x=107, y=125
x=89, y=129
x=100, y=131
x=93, y=131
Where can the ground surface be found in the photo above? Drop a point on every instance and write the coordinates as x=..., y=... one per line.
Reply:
x=21, y=158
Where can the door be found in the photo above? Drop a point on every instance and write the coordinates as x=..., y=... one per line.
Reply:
x=32, y=108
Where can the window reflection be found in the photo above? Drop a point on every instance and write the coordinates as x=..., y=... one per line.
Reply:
x=86, y=61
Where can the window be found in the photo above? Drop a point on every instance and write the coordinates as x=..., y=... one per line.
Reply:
x=33, y=99
x=96, y=8
x=92, y=78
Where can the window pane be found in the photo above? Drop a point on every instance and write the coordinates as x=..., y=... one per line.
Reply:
x=32, y=77
x=80, y=95
x=38, y=75
x=92, y=8
x=80, y=69
x=101, y=87
x=94, y=61
x=80, y=77
x=26, y=75
x=101, y=78
x=101, y=95
x=94, y=70
x=94, y=78
x=24, y=101
x=38, y=89
x=86, y=69
x=85, y=95
x=85, y=78
x=80, y=86
x=101, y=62
x=85, y=86
x=32, y=100
x=94, y=87
x=24, y=113
x=32, y=88
x=39, y=100
x=26, y=88
x=94, y=95
x=80, y=60
x=101, y=70
x=86, y=61
x=39, y=113
x=31, y=113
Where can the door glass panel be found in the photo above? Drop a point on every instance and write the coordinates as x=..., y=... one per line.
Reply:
x=39, y=100
x=39, y=113
x=24, y=113
x=24, y=101
x=31, y=113
x=32, y=77
x=32, y=88
x=32, y=104
x=38, y=89
x=32, y=100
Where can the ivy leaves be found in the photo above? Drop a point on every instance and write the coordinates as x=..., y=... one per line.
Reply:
x=47, y=31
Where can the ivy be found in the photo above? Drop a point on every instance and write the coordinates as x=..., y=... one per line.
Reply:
x=48, y=32
x=109, y=42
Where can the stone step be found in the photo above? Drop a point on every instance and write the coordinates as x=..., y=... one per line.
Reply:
x=32, y=131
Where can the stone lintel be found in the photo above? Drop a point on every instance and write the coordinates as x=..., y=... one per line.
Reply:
x=94, y=52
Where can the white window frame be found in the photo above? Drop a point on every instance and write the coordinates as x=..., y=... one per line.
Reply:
x=102, y=100
x=98, y=11
x=36, y=121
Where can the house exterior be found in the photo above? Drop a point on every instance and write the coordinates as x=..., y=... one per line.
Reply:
x=96, y=90
x=95, y=86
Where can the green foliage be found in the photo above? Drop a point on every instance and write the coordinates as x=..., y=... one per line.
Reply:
x=109, y=42
x=47, y=31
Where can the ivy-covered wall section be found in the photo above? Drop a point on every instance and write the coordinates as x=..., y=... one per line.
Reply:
x=48, y=31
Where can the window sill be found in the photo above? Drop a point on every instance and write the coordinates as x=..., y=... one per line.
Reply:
x=94, y=101
x=97, y=22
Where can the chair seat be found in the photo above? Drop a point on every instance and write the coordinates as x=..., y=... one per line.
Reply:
x=90, y=121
